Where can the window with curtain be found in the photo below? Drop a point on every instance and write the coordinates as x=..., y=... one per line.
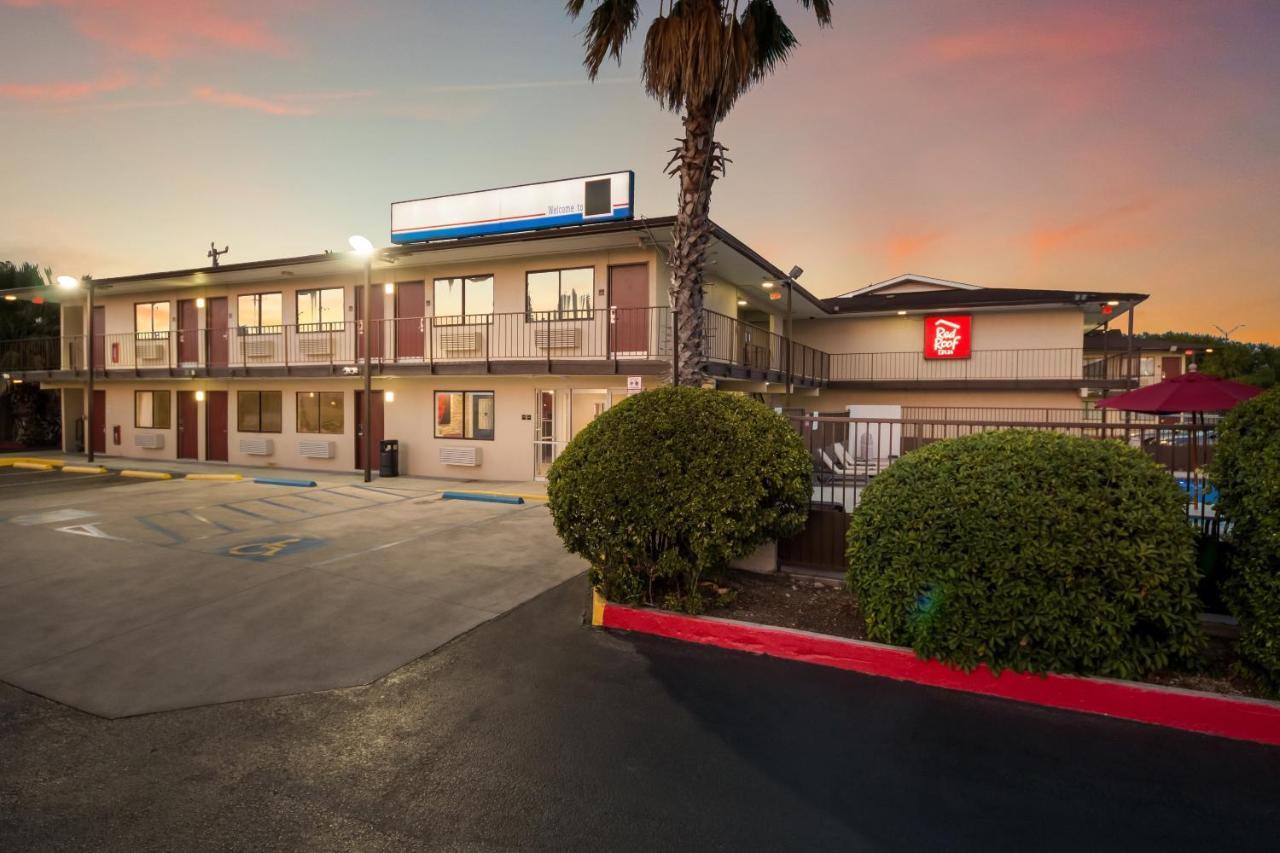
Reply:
x=260, y=313
x=468, y=299
x=559, y=294
x=320, y=412
x=258, y=411
x=151, y=409
x=465, y=414
x=151, y=320
x=321, y=310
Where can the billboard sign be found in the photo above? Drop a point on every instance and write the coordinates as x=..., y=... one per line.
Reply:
x=948, y=336
x=554, y=204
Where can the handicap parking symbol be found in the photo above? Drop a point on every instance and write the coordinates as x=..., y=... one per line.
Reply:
x=263, y=551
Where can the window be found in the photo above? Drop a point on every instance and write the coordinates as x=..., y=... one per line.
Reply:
x=258, y=411
x=151, y=409
x=320, y=411
x=463, y=300
x=151, y=320
x=260, y=313
x=321, y=310
x=464, y=414
x=559, y=294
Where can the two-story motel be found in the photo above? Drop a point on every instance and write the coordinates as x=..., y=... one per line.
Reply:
x=501, y=322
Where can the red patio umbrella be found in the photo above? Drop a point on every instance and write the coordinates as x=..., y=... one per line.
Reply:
x=1190, y=392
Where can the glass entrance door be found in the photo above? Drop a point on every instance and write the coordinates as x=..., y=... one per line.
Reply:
x=559, y=414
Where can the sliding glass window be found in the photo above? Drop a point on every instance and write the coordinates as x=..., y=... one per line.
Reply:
x=151, y=409
x=320, y=411
x=321, y=310
x=260, y=313
x=463, y=300
x=151, y=320
x=559, y=294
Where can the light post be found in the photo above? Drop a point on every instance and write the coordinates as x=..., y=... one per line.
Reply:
x=69, y=282
x=364, y=249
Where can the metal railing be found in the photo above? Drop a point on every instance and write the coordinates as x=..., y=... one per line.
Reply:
x=996, y=364
x=606, y=334
x=848, y=454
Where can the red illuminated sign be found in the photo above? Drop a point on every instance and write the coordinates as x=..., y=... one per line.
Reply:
x=948, y=336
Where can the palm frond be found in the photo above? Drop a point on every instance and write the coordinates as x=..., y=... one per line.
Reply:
x=768, y=37
x=821, y=10
x=607, y=30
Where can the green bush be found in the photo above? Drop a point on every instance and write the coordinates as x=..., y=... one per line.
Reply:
x=1034, y=551
x=1246, y=470
x=673, y=483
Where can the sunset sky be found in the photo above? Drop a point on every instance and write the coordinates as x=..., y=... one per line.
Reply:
x=1096, y=145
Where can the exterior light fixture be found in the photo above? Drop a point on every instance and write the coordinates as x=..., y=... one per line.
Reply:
x=742, y=302
x=199, y=396
x=9, y=297
x=389, y=396
x=68, y=282
x=360, y=245
x=199, y=301
x=902, y=313
x=1114, y=302
x=1208, y=349
x=768, y=285
x=389, y=288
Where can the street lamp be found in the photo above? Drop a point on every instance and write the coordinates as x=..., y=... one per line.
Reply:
x=70, y=282
x=362, y=248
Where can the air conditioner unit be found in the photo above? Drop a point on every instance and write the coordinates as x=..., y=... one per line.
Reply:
x=149, y=440
x=312, y=449
x=556, y=338
x=460, y=341
x=466, y=456
x=257, y=446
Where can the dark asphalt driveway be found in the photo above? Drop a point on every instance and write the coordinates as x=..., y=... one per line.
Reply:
x=531, y=732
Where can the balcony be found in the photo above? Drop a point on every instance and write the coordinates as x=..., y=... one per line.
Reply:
x=612, y=340
x=985, y=369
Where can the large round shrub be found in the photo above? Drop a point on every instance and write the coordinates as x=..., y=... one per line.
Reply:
x=1034, y=551
x=1246, y=470
x=675, y=482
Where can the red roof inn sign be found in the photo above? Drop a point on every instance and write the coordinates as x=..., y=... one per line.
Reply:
x=948, y=336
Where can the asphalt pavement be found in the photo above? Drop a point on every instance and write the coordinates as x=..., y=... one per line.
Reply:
x=532, y=732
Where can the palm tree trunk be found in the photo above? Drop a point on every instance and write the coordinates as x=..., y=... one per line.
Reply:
x=690, y=237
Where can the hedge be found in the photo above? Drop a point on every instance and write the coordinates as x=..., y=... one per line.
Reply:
x=1034, y=551
x=673, y=483
x=1246, y=470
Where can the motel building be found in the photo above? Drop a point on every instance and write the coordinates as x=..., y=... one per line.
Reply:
x=501, y=322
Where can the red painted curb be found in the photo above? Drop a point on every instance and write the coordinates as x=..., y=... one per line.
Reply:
x=1242, y=719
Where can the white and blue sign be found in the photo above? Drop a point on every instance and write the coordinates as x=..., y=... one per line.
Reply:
x=554, y=204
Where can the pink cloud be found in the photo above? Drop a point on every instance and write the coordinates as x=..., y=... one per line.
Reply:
x=165, y=29
x=1108, y=229
x=238, y=100
x=900, y=248
x=64, y=91
x=1066, y=35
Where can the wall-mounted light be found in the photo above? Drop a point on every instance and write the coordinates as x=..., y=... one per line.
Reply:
x=199, y=301
x=68, y=282
x=9, y=297
x=902, y=313
x=1208, y=349
x=742, y=302
x=768, y=285
x=389, y=287
x=199, y=396
x=1113, y=303
x=389, y=396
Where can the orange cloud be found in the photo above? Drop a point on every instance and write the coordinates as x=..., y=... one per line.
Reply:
x=1060, y=35
x=241, y=101
x=165, y=29
x=1090, y=228
x=64, y=91
x=901, y=248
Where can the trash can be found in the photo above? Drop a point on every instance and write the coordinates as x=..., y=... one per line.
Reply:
x=389, y=458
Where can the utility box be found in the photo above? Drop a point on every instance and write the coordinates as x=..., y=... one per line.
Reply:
x=389, y=458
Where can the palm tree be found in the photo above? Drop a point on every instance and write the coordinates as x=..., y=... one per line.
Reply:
x=700, y=56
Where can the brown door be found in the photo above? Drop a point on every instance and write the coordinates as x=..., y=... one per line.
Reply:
x=376, y=315
x=1171, y=366
x=188, y=332
x=99, y=415
x=215, y=322
x=410, y=307
x=188, y=425
x=215, y=425
x=98, y=329
x=629, y=309
x=376, y=434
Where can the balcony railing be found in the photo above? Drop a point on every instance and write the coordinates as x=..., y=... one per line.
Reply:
x=518, y=340
x=1066, y=363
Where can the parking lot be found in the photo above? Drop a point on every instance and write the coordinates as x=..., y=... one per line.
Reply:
x=122, y=596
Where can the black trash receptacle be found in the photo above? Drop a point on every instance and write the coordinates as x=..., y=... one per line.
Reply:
x=389, y=458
